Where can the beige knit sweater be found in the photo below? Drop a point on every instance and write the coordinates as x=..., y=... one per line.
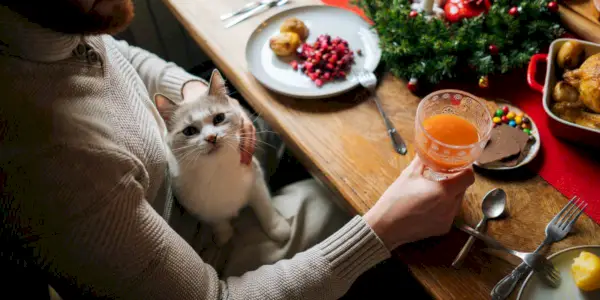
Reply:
x=84, y=180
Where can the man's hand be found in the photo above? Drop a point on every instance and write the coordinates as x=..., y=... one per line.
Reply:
x=248, y=136
x=414, y=207
x=194, y=89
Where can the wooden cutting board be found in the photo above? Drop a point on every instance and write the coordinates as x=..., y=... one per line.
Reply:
x=582, y=18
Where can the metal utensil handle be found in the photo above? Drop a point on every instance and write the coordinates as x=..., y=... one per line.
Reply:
x=506, y=285
x=248, y=14
x=465, y=249
x=487, y=239
x=242, y=10
x=397, y=141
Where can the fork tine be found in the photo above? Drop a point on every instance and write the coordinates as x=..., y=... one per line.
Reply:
x=570, y=213
x=573, y=219
x=557, y=219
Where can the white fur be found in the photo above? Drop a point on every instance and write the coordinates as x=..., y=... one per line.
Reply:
x=209, y=179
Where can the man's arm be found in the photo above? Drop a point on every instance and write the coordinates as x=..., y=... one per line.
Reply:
x=159, y=76
x=98, y=235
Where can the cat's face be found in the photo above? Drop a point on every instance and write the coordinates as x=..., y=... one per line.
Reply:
x=206, y=125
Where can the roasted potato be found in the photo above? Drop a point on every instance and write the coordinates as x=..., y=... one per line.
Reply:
x=285, y=43
x=296, y=26
x=564, y=92
x=570, y=55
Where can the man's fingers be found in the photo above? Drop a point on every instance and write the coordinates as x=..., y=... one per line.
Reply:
x=416, y=166
x=461, y=181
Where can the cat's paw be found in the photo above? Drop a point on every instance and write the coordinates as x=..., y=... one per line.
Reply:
x=222, y=234
x=280, y=230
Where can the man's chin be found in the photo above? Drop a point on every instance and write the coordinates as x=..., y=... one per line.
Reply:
x=105, y=16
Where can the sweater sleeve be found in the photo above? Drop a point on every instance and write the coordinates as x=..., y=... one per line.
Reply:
x=158, y=75
x=95, y=233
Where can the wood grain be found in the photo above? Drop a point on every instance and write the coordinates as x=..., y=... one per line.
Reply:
x=582, y=25
x=343, y=142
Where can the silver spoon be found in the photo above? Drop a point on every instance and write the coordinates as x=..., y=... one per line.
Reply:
x=493, y=206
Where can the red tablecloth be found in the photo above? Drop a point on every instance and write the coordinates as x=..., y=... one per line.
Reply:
x=571, y=169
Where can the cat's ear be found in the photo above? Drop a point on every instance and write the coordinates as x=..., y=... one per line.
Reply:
x=165, y=107
x=216, y=86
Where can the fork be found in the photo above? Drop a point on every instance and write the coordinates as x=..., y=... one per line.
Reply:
x=534, y=260
x=556, y=230
x=369, y=81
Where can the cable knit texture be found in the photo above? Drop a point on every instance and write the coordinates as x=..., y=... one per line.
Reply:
x=82, y=160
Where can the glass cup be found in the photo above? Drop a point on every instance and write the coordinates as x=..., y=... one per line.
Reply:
x=442, y=159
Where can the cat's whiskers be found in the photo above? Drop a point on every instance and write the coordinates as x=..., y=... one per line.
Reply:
x=258, y=141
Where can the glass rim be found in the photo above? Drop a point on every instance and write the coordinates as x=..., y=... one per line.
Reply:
x=479, y=102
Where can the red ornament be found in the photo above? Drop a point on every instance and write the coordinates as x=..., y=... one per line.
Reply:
x=494, y=49
x=513, y=11
x=412, y=85
x=553, y=6
x=456, y=10
x=413, y=14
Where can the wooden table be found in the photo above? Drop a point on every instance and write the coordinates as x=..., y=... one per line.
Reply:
x=343, y=142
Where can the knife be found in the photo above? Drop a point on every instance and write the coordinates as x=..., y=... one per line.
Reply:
x=242, y=10
x=262, y=7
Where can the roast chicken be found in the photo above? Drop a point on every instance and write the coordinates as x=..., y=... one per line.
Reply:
x=586, y=80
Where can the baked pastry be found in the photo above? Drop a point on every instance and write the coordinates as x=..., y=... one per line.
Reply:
x=285, y=43
x=295, y=25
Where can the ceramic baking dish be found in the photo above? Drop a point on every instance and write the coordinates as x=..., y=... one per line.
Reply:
x=559, y=127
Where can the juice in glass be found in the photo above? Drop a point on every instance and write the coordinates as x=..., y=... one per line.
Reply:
x=449, y=132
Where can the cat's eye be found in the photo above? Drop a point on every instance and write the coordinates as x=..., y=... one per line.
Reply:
x=219, y=118
x=190, y=130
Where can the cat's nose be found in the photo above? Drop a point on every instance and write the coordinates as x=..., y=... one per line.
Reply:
x=211, y=139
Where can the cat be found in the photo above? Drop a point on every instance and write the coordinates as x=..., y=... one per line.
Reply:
x=209, y=181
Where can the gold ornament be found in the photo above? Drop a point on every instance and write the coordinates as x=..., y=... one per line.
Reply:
x=484, y=82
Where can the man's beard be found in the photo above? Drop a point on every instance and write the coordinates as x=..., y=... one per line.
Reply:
x=70, y=16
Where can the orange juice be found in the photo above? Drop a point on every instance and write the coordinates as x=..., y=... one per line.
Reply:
x=450, y=130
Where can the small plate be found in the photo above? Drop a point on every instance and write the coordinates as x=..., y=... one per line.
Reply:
x=533, y=150
x=276, y=73
x=534, y=289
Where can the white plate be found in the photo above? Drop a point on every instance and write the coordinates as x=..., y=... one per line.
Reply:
x=276, y=73
x=533, y=151
x=534, y=289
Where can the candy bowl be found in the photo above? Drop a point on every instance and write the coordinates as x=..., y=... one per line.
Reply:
x=510, y=113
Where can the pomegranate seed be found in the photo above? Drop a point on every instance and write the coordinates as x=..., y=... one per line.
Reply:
x=327, y=75
x=341, y=47
x=294, y=65
x=340, y=62
x=329, y=66
x=342, y=74
x=308, y=65
x=319, y=82
x=326, y=56
x=313, y=76
x=336, y=40
x=318, y=72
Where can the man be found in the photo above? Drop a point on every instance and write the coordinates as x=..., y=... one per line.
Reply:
x=86, y=198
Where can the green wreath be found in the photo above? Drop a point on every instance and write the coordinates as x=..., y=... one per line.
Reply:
x=433, y=49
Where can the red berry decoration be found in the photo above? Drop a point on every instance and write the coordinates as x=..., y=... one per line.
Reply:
x=513, y=11
x=553, y=6
x=412, y=85
x=494, y=49
x=413, y=14
x=456, y=10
